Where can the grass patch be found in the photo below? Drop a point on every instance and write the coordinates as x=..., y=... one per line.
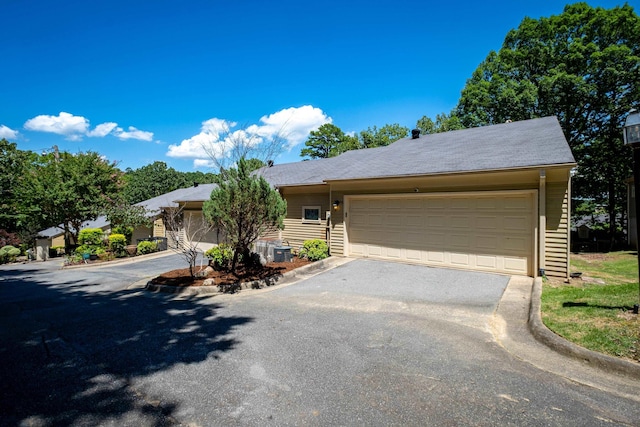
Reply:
x=597, y=317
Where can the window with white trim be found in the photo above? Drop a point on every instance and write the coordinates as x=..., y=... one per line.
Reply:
x=311, y=214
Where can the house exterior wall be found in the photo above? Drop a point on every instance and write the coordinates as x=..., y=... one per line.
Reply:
x=295, y=230
x=556, y=215
x=557, y=230
x=159, y=229
x=141, y=233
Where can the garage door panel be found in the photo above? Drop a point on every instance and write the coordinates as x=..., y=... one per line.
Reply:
x=460, y=222
x=488, y=232
x=487, y=223
x=460, y=259
x=487, y=262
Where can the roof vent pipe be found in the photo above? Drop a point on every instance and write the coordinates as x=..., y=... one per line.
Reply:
x=415, y=134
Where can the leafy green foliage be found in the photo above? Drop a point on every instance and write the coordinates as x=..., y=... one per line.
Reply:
x=244, y=207
x=126, y=231
x=328, y=141
x=374, y=137
x=157, y=179
x=146, y=247
x=127, y=217
x=118, y=244
x=314, y=250
x=443, y=123
x=582, y=66
x=91, y=236
x=8, y=253
x=13, y=164
x=220, y=256
x=67, y=190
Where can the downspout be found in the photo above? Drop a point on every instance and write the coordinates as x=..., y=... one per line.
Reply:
x=542, y=222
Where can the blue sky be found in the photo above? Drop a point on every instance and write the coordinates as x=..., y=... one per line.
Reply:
x=139, y=81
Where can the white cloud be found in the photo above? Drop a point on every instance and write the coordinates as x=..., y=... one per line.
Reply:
x=203, y=163
x=291, y=126
x=134, y=133
x=102, y=130
x=73, y=127
x=7, y=133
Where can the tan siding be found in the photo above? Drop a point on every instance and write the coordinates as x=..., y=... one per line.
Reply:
x=159, y=229
x=557, y=230
x=273, y=234
x=295, y=231
x=57, y=241
x=337, y=239
x=140, y=233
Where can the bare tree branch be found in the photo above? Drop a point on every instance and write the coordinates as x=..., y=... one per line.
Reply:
x=186, y=231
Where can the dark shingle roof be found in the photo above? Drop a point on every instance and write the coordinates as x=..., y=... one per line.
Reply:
x=524, y=144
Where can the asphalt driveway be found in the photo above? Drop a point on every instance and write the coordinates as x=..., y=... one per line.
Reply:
x=366, y=343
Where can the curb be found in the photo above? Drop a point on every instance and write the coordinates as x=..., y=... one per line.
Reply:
x=562, y=346
x=256, y=284
x=119, y=261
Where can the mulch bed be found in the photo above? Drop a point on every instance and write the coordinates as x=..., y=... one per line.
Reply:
x=182, y=277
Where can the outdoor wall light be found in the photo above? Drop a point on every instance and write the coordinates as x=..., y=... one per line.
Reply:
x=336, y=205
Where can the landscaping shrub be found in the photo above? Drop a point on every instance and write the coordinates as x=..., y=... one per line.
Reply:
x=147, y=247
x=91, y=236
x=220, y=256
x=87, y=249
x=314, y=250
x=8, y=253
x=126, y=231
x=7, y=238
x=118, y=244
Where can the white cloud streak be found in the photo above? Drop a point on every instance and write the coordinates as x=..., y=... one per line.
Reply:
x=290, y=125
x=7, y=133
x=134, y=133
x=74, y=128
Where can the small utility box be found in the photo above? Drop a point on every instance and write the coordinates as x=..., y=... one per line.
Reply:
x=282, y=254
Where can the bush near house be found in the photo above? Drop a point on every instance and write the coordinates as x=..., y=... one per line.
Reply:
x=118, y=245
x=147, y=247
x=91, y=236
x=220, y=256
x=314, y=250
x=8, y=253
x=127, y=232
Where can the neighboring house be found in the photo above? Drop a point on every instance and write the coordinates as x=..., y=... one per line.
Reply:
x=53, y=237
x=494, y=198
x=191, y=201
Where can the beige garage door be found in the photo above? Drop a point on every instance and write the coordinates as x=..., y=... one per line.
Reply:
x=488, y=231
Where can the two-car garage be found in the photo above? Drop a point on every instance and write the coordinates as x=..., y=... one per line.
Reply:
x=491, y=231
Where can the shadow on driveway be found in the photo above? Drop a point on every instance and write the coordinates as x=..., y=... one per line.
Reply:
x=68, y=353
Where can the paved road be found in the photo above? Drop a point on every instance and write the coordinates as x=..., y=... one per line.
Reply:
x=366, y=343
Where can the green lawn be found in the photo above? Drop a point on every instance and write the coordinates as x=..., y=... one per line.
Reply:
x=597, y=317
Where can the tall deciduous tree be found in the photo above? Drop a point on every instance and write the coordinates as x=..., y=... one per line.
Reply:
x=244, y=207
x=68, y=189
x=582, y=66
x=374, y=137
x=13, y=164
x=328, y=141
